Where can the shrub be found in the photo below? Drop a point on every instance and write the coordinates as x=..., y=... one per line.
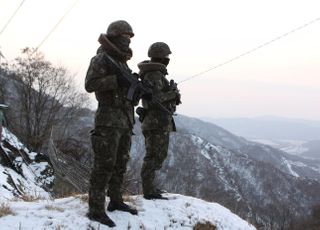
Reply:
x=204, y=226
x=5, y=210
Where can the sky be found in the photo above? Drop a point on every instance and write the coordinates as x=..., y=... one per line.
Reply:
x=279, y=79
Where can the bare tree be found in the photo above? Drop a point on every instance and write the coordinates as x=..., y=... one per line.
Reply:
x=2, y=80
x=47, y=97
x=2, y=86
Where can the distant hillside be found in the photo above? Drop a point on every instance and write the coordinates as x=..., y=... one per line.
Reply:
x=256, y=181
x=270, y=128
x=312, y=149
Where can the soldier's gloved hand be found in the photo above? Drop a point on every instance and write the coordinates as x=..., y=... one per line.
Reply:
x=122, y=82
x=173, y=85
x=135, y=75
x=178, y=98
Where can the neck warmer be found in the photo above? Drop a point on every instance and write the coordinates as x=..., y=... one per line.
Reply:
x=117, y=47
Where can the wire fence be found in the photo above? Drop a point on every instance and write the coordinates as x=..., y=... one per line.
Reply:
x=68, y=168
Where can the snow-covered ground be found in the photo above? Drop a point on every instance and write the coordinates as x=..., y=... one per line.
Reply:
x=179, y=212
x=25, y=177
x=294, y=147
x=25, y=185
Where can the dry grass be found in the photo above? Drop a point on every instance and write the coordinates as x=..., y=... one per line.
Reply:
x=54, y=208
x=130, y=199
x=83, y=197
x=31, y=198
x=204, y=226
x=60, y=227
x=5, y=210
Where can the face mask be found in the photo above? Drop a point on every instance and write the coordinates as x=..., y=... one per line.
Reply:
x=165, y=61
x=121, y=42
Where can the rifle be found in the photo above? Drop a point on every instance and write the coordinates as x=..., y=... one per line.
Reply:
x=136, y=89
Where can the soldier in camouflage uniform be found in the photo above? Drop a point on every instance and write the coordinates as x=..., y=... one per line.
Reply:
x=114, y=119
x=157, y=123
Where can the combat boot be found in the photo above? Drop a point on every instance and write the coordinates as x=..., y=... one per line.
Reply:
x=154, y=196
x=160, y=191
x=101, y=218
x=121, y=206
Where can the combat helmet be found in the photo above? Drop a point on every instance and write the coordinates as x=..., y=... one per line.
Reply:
x=119, y=27
x=159, y=50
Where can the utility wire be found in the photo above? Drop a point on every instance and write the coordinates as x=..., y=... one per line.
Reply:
x=12, y=16
x=1, y=55
x=252, y=50
x=56, y=25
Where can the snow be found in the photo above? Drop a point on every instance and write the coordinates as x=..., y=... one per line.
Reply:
x=12, y=139
x=204, y=152
x=16, y=143
x=196, y=139
x=29, y=180
x=302, y=165
x=287, y=163
x=4, y=193
x=294, y=147
x=26, y=184
x=179, y=212
x=212, y=152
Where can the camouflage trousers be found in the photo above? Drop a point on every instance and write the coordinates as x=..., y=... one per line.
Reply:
x=156, y=142
x=111, y=147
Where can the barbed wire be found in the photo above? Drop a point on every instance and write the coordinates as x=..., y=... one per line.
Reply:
x=12, y=16
x=252, y=50
x=55, y=26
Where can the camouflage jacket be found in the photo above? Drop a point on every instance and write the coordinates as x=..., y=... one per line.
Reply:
x=155, y=117
x=114, y=110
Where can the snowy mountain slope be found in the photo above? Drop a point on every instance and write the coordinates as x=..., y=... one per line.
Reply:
x=22, y=173
x=294, y=147
x=291, y=164
x=180, y=212
x=294, y=136
x=212, y=133
x=218, y=136
x=312, y=149
x=303, y=149
x=253, y=189
x=256, y=181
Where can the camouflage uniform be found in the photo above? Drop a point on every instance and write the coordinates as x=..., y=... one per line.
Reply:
x=157, y=123
x=114, y=119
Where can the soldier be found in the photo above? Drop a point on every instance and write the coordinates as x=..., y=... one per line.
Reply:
x=114, y=119
x=157, y=122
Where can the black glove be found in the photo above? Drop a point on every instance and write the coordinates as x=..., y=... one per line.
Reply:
x=141, y=112
x=178, y=98
x=174, y=87
x=135, y=75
